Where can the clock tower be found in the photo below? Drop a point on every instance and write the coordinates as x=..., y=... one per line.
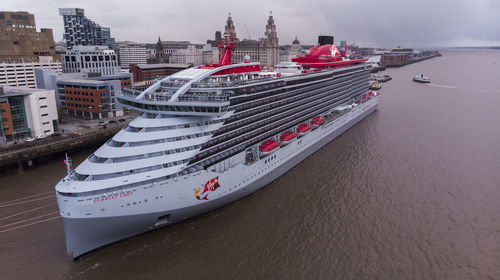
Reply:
x=272, y=46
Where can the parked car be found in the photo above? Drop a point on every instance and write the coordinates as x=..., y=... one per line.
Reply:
x=102, y=124
x=121, y=120
x=112, y=121
x=29, y=139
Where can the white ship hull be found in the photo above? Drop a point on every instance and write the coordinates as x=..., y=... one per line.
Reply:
x=95, y=221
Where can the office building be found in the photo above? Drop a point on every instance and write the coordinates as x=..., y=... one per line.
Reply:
x=81, y=31
x=48, y=79
x=90, y=99
x=20, y=42
x=27, y=112
x=131, y=54
x=23, y=74
x=94, y=60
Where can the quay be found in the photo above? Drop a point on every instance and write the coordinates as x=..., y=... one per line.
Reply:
x=30, y=154
x=403, y=56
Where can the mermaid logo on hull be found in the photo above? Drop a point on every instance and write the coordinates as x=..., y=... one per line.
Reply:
x=210, y=186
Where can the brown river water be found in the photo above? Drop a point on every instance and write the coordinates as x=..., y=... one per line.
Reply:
x=411, y=192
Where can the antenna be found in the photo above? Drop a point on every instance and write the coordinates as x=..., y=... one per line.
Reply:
x=67, y=161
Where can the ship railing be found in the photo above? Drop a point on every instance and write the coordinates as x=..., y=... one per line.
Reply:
x=228, y=83
x=202, y=98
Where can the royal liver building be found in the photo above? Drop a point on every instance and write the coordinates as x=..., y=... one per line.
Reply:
x=264, y=50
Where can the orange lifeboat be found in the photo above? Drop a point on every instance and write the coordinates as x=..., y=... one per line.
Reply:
x=288, y=137
x=317, y=121
x=303, y=129
x=268, y=147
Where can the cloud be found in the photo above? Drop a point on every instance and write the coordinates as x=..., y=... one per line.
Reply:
x=385, y=23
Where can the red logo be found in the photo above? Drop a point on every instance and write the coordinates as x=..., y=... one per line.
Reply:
x=210, y=186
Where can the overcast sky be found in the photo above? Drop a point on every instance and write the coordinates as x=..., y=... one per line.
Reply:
x=384, y=23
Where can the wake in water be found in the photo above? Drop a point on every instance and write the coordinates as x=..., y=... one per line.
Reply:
x=465, y=88
x=36, y=217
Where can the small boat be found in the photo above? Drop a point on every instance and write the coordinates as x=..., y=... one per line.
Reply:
x=372, y=94
x=268, y=147
x=382, y=79
x=317, y=121
x=375, y=86
x=288, y=137
x=303, y=129
x=421, y=79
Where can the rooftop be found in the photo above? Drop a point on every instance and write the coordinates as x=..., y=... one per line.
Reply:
x=163, y=65
x=13, y=91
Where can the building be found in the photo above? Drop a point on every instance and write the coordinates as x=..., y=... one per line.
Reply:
x=264, y=50
x=293, y=51
x=131, y=54
x=27, y=112
x=20, y=42
x=48, y=79
x=23, y=74
x=196, y=55
x=90, y=99
x=149, y=72
x=96, y=60
x=81, y=31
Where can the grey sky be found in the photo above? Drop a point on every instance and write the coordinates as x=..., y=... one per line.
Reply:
x=384, y=23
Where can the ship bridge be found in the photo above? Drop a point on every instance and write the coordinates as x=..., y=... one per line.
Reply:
x=198, y=91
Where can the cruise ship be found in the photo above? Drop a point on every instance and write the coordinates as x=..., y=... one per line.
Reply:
x=208, y=136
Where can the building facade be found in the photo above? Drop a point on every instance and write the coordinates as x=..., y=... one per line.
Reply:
x=90, y=99
x=81, y=31
x=131, y=54
x=264, y=50
x=23, y=74
x=20, y=42
x=96, y=60
x=48, y=79
x=27, y=112
x=149, y=72
x=195, y=55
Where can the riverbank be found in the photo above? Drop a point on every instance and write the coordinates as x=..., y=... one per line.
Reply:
x=413, y=60
x=25, y=157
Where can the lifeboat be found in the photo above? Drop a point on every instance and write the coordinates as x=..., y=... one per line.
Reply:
x=288, y=137
x=372, y=94
x=317, y=121
x=303, y=129
x=268, y=147
x=365, y=97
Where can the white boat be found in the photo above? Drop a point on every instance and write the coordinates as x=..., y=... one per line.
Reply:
x=421, y=79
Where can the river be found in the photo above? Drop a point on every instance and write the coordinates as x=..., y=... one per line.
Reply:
x=411, y=192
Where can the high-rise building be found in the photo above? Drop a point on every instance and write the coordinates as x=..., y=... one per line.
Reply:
x=81, y=31
x=23, y=74
x=20, y=42
x=131, y=54
x=27, y=112
x=95, y=60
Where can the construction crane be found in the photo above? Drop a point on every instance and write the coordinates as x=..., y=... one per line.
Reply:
x=248, y=34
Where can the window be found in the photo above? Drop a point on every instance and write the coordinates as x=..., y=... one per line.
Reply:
x=43, y=106
x=45, y=131
x=44, y=115
x=42, y=98
x=45, y=123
